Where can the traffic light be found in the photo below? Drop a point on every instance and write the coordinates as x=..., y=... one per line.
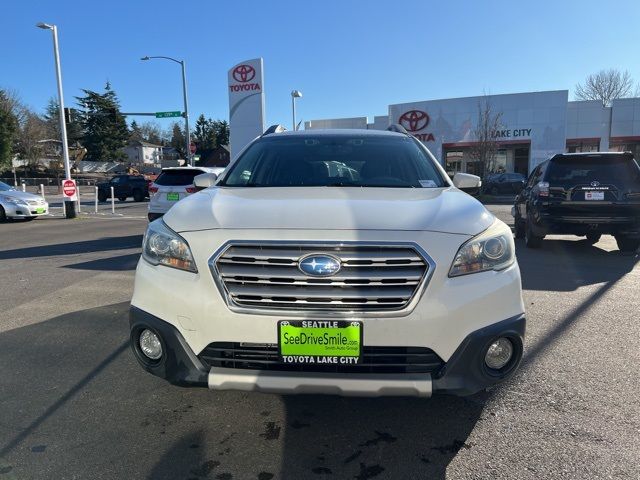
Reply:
x=67, y=115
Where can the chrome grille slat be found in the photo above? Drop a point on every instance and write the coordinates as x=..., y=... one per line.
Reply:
x=373, y=277
x=229, y=271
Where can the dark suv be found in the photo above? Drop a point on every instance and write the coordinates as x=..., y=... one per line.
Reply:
x=124, y=186
x=503, y=183
x=584, y=194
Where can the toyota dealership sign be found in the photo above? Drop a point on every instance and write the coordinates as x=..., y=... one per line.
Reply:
x=415, y=121
x=246, y=103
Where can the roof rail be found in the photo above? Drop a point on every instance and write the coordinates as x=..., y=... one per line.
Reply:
x=396, y=127
x=277, y=128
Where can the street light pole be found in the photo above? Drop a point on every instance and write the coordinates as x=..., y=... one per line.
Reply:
x=186, y=112
x=294, y=94
x=186, y=104
x=70, y=206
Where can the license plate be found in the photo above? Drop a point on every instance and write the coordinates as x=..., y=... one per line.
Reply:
x=313, y=342
x=594, y=195
x=41, y=210
x=173, y=197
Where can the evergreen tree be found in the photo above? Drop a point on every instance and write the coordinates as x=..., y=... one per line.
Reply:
x=204, y=134
x=105, y=129
x=178, y=139
x=135, y=133
x=8, y=130
x=52, y=121
x=221, y=129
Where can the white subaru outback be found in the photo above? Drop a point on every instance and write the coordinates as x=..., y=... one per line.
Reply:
x=338, y=262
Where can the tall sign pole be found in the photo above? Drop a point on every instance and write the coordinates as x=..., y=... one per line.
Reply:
x=70, y=207
x=186, y=114
x=246, y=103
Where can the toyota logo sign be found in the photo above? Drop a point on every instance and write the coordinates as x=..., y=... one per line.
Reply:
x=414, y=120
x=244, y=73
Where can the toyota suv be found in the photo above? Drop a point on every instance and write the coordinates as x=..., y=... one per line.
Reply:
x=172, y=185
x=584, y=194
x=337, y=262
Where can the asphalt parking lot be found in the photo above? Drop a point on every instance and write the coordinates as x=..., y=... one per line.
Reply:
x=75, y=403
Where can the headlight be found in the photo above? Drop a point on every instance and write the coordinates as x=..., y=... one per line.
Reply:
x=493, y=249
x=162, y=246
x=15, y=201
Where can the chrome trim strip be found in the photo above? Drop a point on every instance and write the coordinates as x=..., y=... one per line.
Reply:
x=307, y=313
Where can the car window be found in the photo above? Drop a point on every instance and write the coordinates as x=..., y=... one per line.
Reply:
x=535, y=176
x=177, y=177
x=117, y=180
x=340, y=160
x=583, y=170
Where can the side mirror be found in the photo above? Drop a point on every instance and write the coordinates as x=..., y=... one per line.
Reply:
x=466, y=181
x=205, y=180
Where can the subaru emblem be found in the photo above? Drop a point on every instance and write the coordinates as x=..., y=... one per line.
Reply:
x=319, y=265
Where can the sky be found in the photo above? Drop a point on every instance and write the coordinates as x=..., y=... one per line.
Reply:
x=348, y=57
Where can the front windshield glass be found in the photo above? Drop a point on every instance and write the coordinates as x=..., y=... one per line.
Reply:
x=4, y=187
x=335, y=161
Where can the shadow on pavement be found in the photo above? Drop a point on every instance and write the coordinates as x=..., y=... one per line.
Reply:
x=564, y=266
x=375, y=438
x=74, y=248
x=118, y=263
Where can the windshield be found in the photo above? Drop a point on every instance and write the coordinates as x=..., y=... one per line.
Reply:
x=177, y=177
x=4, y=187
x=607, y=170
x=340, y=161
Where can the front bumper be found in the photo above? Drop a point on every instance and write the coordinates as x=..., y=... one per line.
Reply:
x=463, y=374
x=13, y=210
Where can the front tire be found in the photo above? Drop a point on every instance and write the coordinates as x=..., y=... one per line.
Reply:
x=138, y=196
x=518, y=227
x=530, y=239
x=3, y=215
x=102, y=197
x=627, y=244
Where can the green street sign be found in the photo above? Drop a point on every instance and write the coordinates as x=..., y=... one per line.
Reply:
x=168, y=114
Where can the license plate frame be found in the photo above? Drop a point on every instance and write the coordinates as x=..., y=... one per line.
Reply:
x=593, y=195
x=173, y=197
x=341, y=335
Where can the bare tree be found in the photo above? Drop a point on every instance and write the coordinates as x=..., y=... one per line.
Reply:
x=33, y=130
x=485, y=146
x=606, y=85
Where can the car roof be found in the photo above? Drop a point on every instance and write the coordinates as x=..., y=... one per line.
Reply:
x=189, y=167
x=335, y=132
x=591, y=154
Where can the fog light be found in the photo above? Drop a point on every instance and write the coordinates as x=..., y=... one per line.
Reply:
x=499, y=353
x=150, y=344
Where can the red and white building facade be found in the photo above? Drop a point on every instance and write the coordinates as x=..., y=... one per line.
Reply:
x=533, y=127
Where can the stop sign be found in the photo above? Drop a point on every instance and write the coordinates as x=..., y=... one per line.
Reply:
x=192, y=148
x=69, y=189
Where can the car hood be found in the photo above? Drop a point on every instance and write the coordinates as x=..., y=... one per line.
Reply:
x=331, y=208
x=20, y=194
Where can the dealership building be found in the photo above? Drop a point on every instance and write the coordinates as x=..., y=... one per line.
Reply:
x=532, y=127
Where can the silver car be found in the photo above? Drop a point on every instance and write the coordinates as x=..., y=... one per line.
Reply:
x=17, y=204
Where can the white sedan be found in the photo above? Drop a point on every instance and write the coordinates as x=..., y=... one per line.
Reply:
x=17, y=204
